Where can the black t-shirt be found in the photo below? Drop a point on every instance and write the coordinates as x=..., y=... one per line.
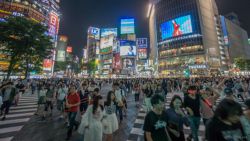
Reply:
x=156, y=125
x=216, y=130
x=194, y=104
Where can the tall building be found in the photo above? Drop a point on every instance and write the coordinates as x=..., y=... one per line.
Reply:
x=61, y=48
x=93, y=47
x=236, y=39
x=44, y=12
x=185, y=35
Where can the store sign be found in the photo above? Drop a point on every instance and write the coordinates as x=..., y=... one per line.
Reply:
x=69, y=49
x=17, y=14
x=47, y=64
x=53, y=25
x=94, y=32
x=197, y=67
x=142, y=42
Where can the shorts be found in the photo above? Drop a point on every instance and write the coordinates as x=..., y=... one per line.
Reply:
x=47, y=105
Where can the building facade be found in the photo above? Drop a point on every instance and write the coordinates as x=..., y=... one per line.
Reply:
x=44, y=12
x=184, y=36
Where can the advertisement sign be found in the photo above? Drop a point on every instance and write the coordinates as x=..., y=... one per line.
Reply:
x=127, y=48
x=108, y=61
x=106, y=44
x=63, y=38
x=142, y=42
x=94, y=32
x=128, y=63
x=60, y=56
x=142, y=53
x=117, y=61
x=108, y=31
x=224, y=29
x=128, y=26
x=47, y=64
x=69, y=49
x=176, y=27
x=53, y=25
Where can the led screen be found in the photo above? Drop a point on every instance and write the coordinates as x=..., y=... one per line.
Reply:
x=176, y=27
x=127, y=48
x=142, y=53
x=127, y=26
x=108, y=31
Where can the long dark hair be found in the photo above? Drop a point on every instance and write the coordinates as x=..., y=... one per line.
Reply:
x=109, y=99
x=95, y=103
x=173, y=99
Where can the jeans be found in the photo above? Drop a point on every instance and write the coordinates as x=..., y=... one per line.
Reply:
x=119, y=109
x=194, y=125
x=6, y=106
x=72, y=122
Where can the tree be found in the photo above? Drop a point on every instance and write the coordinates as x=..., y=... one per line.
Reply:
x=25, y=42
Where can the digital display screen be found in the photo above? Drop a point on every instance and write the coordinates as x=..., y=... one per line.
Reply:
x=127, y=48
x=142, y=53
x=127, y=26
x=176, y=27
x=108, y=31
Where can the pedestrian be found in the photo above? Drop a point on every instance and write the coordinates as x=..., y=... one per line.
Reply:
x=61, y=94
x=119, y=99
x=41, y=101
x=8, y=92
x=225, y=125
x=176, y=119
x=192, y=105
x=84, y=96
x=245, y=120
x=93, y=116
x=155, y=124
x=111, y=124
x=50, y=95
x=72, y=103
x=208, y=99
x=137, y=92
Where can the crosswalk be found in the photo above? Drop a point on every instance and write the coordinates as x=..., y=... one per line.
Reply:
x=137, y=133
x=17, y=117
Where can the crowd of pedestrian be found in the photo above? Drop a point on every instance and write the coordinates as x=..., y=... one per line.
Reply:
x=102, y=114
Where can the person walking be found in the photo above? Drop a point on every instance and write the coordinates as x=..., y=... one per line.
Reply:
x=155, y=124
x=8, y=93
x=176, y=119
x=72, y=103
x=93, y=124
x=111, y=122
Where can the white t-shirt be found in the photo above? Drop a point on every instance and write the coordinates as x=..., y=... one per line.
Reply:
x=62, y=93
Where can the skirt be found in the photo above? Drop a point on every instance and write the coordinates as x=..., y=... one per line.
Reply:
x=111, y=124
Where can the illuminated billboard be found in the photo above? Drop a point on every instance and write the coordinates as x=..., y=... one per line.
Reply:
x=128, y=26
x=142, y=53
x=127, y=48
x=108, y=31
x=176, y=27
x=47, y=64
x=142, y=42
x=117, y=61
x=69, y=49
x=106, y=44
x=128, y=63
x=53, y=26
x=61, y=56
x=94, y=32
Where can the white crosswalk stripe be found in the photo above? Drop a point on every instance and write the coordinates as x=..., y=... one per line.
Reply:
x=138, y=124
x=17, y=117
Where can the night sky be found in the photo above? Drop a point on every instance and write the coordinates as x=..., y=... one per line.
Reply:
x=78, y=15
